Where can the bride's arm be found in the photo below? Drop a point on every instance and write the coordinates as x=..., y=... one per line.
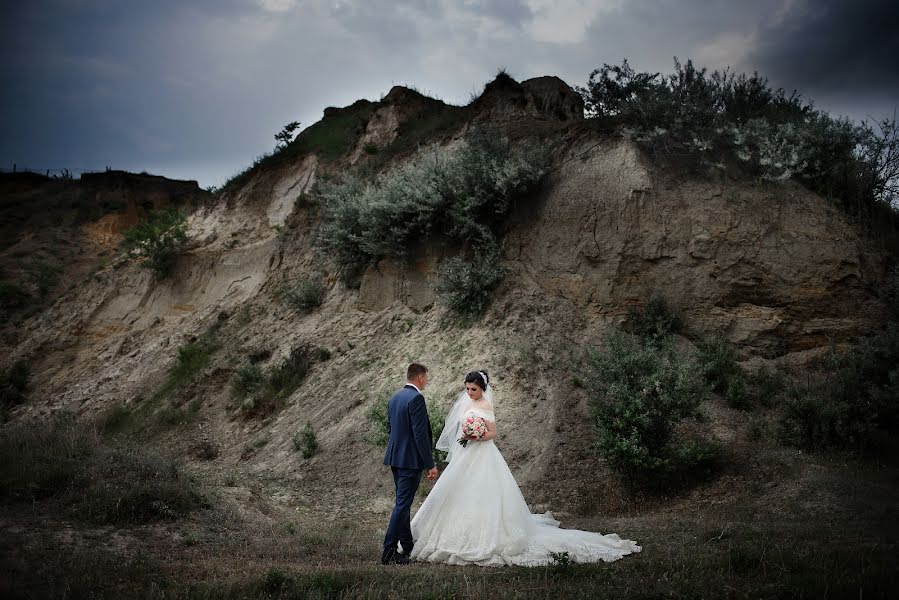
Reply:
x=491, y=431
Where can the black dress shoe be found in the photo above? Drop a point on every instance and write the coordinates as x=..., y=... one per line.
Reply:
x=392, y=557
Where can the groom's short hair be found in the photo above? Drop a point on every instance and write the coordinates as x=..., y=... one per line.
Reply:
x=414, y=370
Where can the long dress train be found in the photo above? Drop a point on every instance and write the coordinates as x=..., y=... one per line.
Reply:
x=476, y=514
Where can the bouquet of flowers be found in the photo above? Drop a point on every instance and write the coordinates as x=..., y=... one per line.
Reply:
x=475, y=427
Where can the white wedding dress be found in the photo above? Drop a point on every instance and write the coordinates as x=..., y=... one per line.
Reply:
x=476, y=514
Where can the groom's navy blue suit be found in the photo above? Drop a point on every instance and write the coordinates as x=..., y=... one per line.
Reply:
x=409, y=452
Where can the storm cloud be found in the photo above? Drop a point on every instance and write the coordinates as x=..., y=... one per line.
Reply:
x=197, y=89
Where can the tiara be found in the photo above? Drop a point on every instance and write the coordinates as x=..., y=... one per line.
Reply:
x=484, y=377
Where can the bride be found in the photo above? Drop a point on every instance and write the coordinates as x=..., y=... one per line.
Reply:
x=476, y=514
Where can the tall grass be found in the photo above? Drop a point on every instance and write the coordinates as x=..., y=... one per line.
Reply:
x=69, y=462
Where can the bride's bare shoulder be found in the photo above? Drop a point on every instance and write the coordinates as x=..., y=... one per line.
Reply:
x=483, y=409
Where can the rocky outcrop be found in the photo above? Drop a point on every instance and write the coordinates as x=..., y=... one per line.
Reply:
x=547, y=98
x=399, y=107
x=56, y=231
x=552, y=98
x=541, y=98
x=773, y=267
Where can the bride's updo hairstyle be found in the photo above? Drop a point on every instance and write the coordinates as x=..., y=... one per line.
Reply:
x=481, y=378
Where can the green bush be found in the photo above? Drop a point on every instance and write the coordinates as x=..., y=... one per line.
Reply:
x=306, y=441
x=737, y=395
x=160, y=239
x=657, y=319
x=718, y=359
x=764, y=385
x=306, y=295
x=43, y=275
x=814, y=418
x=437, y=416
x=269, y=394
x=774, y=135
x=13, y=385
x=465, y=287
x=247, y=380
x=191, y=359
x=462, y=193
x=639, y=393
x=377, y=418
x=741, y=389
x=849, y=400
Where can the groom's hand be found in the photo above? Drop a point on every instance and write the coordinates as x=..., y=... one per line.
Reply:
x=432, y=474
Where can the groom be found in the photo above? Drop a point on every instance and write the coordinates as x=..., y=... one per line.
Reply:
x=409, y=452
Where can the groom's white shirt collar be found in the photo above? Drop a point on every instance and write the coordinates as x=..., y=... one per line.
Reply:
x=415, y=386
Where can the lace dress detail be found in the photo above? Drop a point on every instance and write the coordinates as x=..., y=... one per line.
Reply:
x=476, y=514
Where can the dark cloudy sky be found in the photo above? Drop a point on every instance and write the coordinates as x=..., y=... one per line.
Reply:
x=197, y=88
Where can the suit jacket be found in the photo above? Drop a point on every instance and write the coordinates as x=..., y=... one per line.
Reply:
x=410, y=445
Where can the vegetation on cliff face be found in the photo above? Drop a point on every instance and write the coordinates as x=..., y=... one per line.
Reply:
x=159, y=239
x=465, y=285
x=721, y=116
x=460, y=195
x=260, y=393
x=329, y=139
x=642, y=391
x=850, y=399
x=304, y=295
